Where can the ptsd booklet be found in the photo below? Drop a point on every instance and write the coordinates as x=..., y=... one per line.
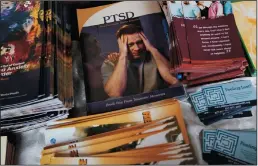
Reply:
x=125, y=56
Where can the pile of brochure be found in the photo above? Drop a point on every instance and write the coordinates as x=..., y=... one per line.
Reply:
x=35, y=65
x=154, y=133
x=227, y=100
x=7, y=151
x=204, y=48
x=231, y=147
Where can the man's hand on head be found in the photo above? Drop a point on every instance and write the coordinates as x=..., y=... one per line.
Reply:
x=146, y=42
x=122, y=43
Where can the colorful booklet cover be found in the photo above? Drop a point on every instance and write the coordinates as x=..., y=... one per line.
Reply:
x=21, y=49
x=27, y=64
x=124, y=52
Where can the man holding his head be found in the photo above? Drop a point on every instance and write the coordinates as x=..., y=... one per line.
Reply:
x=137, y=68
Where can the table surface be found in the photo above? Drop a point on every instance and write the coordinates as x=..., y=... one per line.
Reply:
x=30, y=144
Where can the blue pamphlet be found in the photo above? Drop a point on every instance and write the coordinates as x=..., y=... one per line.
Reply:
x=231, y=95
x=234, y=147
x=207, y=117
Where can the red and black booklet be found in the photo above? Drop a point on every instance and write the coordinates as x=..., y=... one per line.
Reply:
x=206, y=50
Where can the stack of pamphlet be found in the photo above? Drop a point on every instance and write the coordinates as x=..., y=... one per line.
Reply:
x=227, y=100
x=7, y=151
x=229, y=147
x=205, y=43
x=35, y=64
x=125, y=48
x=154, y=133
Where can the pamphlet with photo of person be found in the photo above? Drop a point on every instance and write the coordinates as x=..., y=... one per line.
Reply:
x=125, y=56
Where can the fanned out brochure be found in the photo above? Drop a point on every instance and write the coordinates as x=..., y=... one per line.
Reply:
x=153, y=133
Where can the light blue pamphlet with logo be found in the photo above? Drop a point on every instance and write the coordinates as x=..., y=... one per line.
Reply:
x=230, y=95
x=234, y=147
